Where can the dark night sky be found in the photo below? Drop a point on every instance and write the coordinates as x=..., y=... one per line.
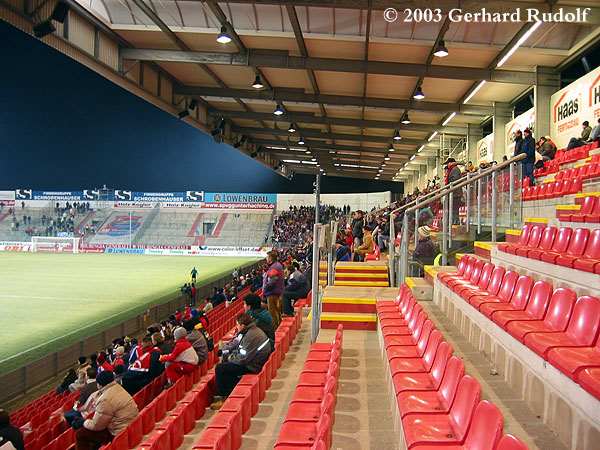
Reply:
x=64, y=127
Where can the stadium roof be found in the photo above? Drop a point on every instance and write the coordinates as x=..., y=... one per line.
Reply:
x=341, y=73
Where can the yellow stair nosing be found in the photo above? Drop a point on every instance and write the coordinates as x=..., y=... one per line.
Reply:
x=536, y=219
x=362, y=275
x=587, y=194
x=513, y=232
x=362, y=283
x=344, y=317
x=349, y=300
x=568, y=207
x=483, y=245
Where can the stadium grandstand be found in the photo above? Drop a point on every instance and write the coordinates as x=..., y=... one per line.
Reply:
x=300, y=225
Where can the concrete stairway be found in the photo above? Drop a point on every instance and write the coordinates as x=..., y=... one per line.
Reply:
x=365, y=274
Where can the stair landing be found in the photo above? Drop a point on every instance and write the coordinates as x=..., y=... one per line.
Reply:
x=368, y=273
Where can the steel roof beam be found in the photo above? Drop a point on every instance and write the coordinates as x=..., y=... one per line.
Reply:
x=281, y=59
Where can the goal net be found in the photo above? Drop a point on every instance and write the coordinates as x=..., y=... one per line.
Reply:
x=55, y=244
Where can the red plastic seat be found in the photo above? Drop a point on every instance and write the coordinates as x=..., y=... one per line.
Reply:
x=448, y=428
x=561, y=242
x=587, y=207
x=425, y=380
x=305, y=433
x=533, y=242
x=314, y=393
x=536, y=306
x=433, y=401
x=581, y=331
x=318, y=379
x=411, y=351
x=589, y=379
x=460, y=269
x=403, y=365
x=504, y=294
x=135, y=432
x=594, y=215
x=545, y=244
x=232, y=423
x=493, y=286
x=422, y=326
x=590, y=259
x=482, y=284
x=310, y=412
x=473, y=278
x=214, y=439
x=575, y=249
x=556, y=319
x=120, y=441
x=509, y=442
x=518, y=301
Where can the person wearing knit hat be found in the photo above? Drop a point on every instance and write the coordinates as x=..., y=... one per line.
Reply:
x=114, y=410
x=182, y=360
x=118, y=358
x=425, y=249
x=424, y=231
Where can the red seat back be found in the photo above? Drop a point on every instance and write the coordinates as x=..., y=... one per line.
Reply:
x=476, y=272
x=525, y=231
x=424, y=337
x=542, y=190
x=486, y=274
x=535, y=236
x=539, y=299
x=469, y=268
x=585, y=321
x=462, y=264
x=486, y=429
x=455, y=369
x=432, y=345
x=521, y=293
x=496, y=280
x=561, y=242
x=592, y=250
x=508, y=285
x=576, y=185
x=509, y=442
x=559, y=310
x=547, y=238
x=578, y=242
x=467, y=397
x=444, y=352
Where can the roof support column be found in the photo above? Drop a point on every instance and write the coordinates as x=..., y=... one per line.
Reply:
x=547, y=83
x=502, y=115
x=474, y=135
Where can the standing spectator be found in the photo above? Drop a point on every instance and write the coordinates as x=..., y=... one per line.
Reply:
x=297, y=287
x=586, y=130
x=357, y=227
x=272, y=288
x=114, y=410
x=9, y=434
x=246, y=353
x=526, y=145
x=182, y=360
x=453, y=174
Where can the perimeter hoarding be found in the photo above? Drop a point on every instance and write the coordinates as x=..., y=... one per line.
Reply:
x=573, y=105
x=521, y=122
x=224, y=200
x=485, y=149
x=181, y=199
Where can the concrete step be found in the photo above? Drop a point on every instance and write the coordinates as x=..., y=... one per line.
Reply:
x=351, y=321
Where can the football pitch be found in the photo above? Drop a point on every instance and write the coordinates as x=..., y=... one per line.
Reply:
x=49, y=301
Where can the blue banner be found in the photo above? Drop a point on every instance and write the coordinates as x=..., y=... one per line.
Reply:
x=130, y=251
x=159, y=197
x=28, y=194
x=240, y=199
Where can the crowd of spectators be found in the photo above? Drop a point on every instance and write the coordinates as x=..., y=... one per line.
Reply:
x=59, y=221
x=295, y=226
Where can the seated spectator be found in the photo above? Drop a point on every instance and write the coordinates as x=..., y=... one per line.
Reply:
x=145, y=368
x=342, y=251
x=10, y=436
x=103, y=364
x=426, y=250
x=296, y=288
x=586, y=131
x=383, y=235
x=85, y=393
x=546, y=150
x=119, y=373
x=159, y=342
x=68, y=379
x=118, y=359
x=366, y=247
x=182, y=360
x=197, y=339
x=262, y=317
x=81, y=374
x=114, y=410
x=595, y=134
x=218, y=297
x=246, y=353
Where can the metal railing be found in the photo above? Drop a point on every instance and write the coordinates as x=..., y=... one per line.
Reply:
x=510, y=205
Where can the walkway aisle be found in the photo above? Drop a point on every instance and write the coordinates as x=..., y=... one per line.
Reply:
x=363, y=419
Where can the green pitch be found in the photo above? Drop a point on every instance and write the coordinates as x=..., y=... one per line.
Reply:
x=49, y=301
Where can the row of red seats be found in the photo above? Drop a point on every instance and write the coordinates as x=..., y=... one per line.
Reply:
x=440, y=407
x=152, y=401
x=589, y=211
x=565, y=156
x=555, y=324
x=24, y=414
x=554, y=189
x=225, y=430
x=585, y=172
x=577, y=249
x=310, y=415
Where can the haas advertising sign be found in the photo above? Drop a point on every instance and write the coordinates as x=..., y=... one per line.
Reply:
x=573, y=105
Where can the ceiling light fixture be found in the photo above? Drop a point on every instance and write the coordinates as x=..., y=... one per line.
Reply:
x=405, y=119
x=418, y=95
x=441, y=51
x=397, y=136
x=258, y=84
x=433, y=135
x=473, y=92
x=307, y=152
x=278, y=110
x=520, y=42
x=387, y=158
x=413, y=157
x=292, y=128
x=223, y=37
x=291, y=161
x=391, y=148
x=301, y=141
x=448, y=119
x=420, y=149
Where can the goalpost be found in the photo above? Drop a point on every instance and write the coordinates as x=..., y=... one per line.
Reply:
x=55, y=244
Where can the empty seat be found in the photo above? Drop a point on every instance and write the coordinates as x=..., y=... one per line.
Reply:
x=504, y=294
x=425, y=380
x=545, y=244
x=482, y=284
x=536, y=306
x=575, y=249
x=493, y=286
x=400, y=365
x=587, y=207
x=509, y=442
x=518, y=301
x=581, y=331
x=590, y=259
x=411, y=351
x=589, y=379
x=556, y=319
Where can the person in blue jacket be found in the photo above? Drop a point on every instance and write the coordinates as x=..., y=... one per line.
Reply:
x=526, y=145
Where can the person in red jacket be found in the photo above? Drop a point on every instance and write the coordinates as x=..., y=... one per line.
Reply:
x=182, y=360
x=103, y=364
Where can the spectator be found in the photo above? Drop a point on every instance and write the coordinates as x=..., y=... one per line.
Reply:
x=426, y=250
x=114, y=410
x=81, y=374
x=297, y=287
x=10, y=436
x=182, y=360
x=197, y=339
x=103, y=364
x=547, y=151
x=68, y=379
x=586, y=131
x=342, y=251
x=261, y=316
x=119, y=373
x=86, y=398
x=159, y=342
x=526, y=145
x=356, y=226
x=118, y=359
x=272, y=287
x=90, y=386
x=595, y=134
x=453, y=174
x=383, y=233
x=145, y=368
x=366, y=247
x=470, y=167
x=246, y=353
